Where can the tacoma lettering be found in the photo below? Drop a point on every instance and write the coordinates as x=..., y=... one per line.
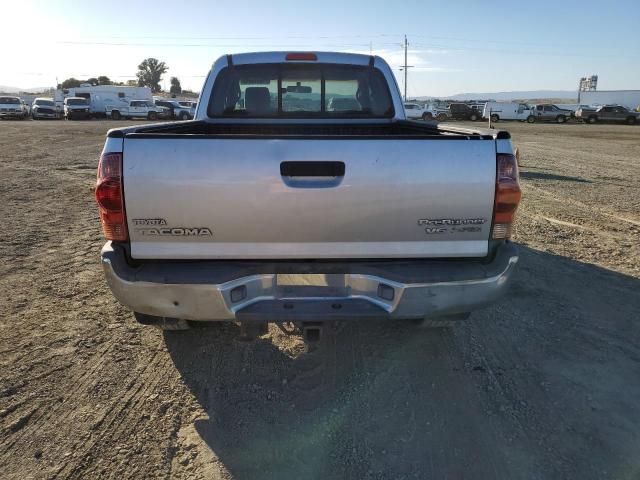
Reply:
x=177, y=232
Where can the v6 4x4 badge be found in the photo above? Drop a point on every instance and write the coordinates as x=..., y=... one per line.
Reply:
x=451, y=225
x=451, y=221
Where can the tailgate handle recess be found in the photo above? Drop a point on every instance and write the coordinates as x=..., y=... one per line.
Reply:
x=312, y=169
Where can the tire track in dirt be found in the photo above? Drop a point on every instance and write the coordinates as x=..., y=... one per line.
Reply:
x=118, y=418
x=583, y=206
x=594, y=230
x=80, y=386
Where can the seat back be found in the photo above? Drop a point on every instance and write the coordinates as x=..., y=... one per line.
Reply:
x=257, y=100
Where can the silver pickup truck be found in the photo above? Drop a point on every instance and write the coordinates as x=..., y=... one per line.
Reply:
x=279, y=203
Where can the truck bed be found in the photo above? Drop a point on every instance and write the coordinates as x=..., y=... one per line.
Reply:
x=389, y=130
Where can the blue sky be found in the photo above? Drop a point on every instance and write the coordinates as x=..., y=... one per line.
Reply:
x=455, y=46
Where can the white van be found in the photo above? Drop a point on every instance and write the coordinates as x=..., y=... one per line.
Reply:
x=101, y=96
x=508, y=111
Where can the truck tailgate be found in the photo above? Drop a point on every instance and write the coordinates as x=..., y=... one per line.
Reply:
x=221, y=198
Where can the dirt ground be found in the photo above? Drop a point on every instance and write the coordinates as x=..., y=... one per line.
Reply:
x=543, y=385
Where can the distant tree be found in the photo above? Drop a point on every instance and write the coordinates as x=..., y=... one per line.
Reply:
x=176, y=88
x=132, y=83
x=150, y=73
x=104, y=80
x=92, y=81
x=70, y=83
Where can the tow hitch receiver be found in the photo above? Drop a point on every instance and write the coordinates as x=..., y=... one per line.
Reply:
x=312, y=332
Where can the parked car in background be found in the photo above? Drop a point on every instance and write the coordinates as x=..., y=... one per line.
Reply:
x=462, y=111
x=572, y=107
x=438, y=111
x=548, y=112
x=587, y=113
x=76, y=108
x=44, y=108
x=26, y=108
x=201, y=226
x=12, y=107
x=497, y=111
x=137, y=109
x=416, y=111
x=191, y=106
x=608, y=113
x=176, y=111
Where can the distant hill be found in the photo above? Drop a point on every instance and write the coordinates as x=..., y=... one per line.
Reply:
x=568, y=95
x=7, y=89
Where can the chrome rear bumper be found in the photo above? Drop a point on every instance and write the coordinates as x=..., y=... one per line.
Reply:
x=259, y=291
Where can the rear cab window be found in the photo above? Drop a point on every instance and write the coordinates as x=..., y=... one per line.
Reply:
x=300, y=91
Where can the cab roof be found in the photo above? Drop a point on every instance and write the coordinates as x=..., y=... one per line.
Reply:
x=281, y=57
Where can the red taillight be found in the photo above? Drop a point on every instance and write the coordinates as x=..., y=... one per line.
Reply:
x=508, y=195
x=110, y=197
x=302, y=56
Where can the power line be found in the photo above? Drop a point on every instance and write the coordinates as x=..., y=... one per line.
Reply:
x=231, y=37
x=322, y=37
x=515, y=52
x=365, y=46
x=208, y=45
x=474, y=41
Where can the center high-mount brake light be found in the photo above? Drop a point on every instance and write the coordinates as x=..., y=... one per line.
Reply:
x=302, y=56
x=508, y=195
x=110, y=197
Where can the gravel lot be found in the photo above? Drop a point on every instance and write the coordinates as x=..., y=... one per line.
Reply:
x=544, y=385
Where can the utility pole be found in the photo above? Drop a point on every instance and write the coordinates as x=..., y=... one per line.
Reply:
x=405, y=67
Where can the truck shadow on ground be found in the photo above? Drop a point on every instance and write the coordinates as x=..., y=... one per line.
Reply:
x=528, y=388
x=551, y=176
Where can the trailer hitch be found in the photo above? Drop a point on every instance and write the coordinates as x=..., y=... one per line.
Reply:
x=312, y=332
